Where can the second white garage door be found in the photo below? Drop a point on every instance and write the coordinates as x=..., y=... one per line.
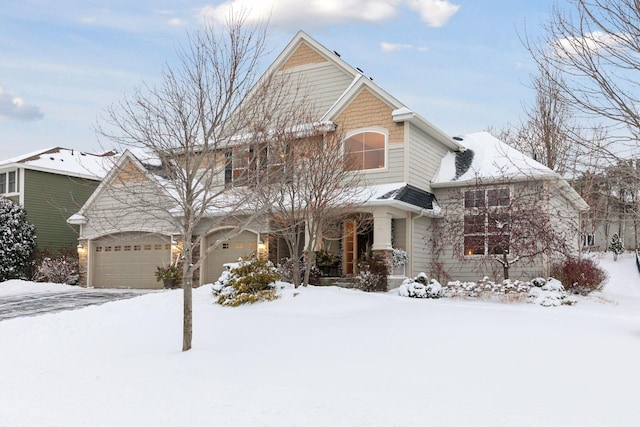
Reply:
x=244, y=244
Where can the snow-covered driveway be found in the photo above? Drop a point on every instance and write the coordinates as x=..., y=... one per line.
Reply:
x=31, y=304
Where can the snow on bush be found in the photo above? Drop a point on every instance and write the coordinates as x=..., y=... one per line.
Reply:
x=17, y=241
x=421, y=287
x=63, y=269
x=546, y=292
x=373, y=274
x=248, y=281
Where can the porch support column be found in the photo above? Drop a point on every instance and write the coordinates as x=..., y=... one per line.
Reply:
x=381, y=231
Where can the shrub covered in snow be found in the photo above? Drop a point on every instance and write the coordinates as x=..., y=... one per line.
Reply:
x=373, y=274
x=61, y=269
x=249, y=281
x=505, y=291
x=421, y=287
x=616, y=246
x=548, y=293
x=580, y=275
x=399, y=257
x=17, y=241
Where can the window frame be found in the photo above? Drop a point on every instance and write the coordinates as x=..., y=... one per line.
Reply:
x=385, y=148
x=481, y=209
x=250, y=164
x=9, y=187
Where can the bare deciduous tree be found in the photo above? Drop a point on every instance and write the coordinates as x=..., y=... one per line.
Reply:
x=505, y=222
x=313, y=190
x=592, y=48
x=204, y=108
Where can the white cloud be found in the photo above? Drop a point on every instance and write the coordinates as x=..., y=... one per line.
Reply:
x=296, y=13
x=14, y=107
x=436, y=13
x=177, y=22
x=394, y=47
x=591, y=42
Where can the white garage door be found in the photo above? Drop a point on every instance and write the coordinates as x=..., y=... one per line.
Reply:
x=129, y=260
x=230, y=250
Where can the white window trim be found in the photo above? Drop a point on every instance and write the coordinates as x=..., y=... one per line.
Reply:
x=19, y=180
x=471, y=211
x=374, y=129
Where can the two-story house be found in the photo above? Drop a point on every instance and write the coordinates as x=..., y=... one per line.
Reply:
x=400, y=154
x=51, y=185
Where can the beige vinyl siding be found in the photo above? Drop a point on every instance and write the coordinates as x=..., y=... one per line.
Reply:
x=324, y=82
x=423, y=157
x=394, y=171
x=566, y=217
x=399, y=235
x=119, y=209
x=474, y=268
x=49, y=199
x=420, y=253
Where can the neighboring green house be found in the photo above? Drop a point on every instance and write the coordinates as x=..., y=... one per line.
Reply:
x=51, y=185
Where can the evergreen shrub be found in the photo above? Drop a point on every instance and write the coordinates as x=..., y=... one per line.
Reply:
x=251, y=280
x=17, y=241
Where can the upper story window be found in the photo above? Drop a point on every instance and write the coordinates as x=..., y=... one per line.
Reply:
x=8, y=182
x=365, y=151
x=253, y=164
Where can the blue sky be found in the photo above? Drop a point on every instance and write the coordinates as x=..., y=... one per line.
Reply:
x=458, y=63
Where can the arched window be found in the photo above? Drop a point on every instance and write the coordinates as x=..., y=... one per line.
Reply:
x=365, y=151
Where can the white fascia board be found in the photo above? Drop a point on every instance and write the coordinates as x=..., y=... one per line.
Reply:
x=404, y=114
x=404, y=206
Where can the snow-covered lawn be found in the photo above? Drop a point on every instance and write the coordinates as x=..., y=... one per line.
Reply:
x=329, y=357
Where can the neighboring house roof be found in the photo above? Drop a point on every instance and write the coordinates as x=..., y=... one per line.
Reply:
x=65, y=161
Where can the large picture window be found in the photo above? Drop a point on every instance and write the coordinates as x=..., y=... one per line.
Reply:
x=486, y=221
x=365, y=151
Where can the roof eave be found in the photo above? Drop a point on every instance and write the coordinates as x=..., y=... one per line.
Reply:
x=406, y=115
x=403, y=206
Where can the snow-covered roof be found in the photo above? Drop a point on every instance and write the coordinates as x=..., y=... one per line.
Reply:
x=486, y=157
x=65, y=161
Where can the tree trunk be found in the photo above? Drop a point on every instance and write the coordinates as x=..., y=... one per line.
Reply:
x=187, y=326
x=505, y=266
x=187, y=284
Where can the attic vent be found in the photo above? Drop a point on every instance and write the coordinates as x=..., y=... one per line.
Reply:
x=51, y=158
x=337, y=54
x=359, y=69
x=457, y=138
